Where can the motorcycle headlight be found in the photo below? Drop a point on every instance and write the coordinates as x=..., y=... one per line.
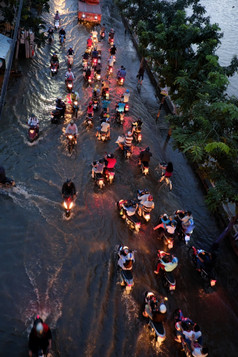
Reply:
x=71, y=205
x=75, y=103
x=147, y=217
x=70, y=137
x=213, y=282
x=65, y=205
x=32, y=131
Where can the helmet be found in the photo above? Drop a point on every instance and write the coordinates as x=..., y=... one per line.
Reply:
x=90, y=103
x=70, y=48
x=129, y=133
x=162, y=309
x=101, y=161
x=32, y=115
x=147, y=149
x=68, y=180
x=69, y=69
x=54, y=54
x=127, y=91
x=73, y=91
x=59, y=98
x=126, y=250
x=165, y=217
x=39, y=328
x=150, y=198
x=71, y=121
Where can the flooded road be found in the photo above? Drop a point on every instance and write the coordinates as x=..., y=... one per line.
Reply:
x=65, y=270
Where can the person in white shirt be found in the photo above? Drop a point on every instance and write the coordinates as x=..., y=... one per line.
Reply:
x=33, y=121
x=71, y=129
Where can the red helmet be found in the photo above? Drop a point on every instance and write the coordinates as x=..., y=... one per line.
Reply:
x=150, y=198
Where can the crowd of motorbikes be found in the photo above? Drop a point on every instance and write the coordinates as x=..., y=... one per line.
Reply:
x=171, y=229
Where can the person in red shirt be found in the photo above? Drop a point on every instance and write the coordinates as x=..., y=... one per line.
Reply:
x=89, y=42
x=110, y=161
x=90, y=109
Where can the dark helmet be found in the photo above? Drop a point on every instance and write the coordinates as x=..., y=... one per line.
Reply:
x=147, y=149
x=68, y=181
x=101, y=161
x=32, y=115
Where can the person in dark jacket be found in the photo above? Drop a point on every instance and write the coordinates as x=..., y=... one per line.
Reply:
x=40, y=338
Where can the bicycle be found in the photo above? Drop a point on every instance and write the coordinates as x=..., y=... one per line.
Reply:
x=165, y=180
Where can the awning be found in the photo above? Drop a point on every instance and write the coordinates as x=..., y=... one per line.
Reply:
x=5, y=47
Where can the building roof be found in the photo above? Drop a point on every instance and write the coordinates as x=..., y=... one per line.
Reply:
x=5, y=47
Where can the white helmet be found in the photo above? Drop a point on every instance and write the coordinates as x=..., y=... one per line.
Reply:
x=162, y=309
x=39, y=328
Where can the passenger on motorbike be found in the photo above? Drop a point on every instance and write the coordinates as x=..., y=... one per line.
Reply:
x=69, y=76
x=85, y=56
x=204, y=260
x=105, y=105
x=145, y=156
x=126, y=96
x=68, y=189
x=168, y=171
x=166, y=262
x=74, y=96
x=88, y=73
x=126, y=258
x=89, y=41
x=72, y=129
x=121, y=73
x=167, y=223
x=33, y=122
x=70, y=52
x=40, y=338
x=57, y=16
x=146, y=203
x=110, y=161
x=62, y=32
x=95, y=53
x=113, y=50
x=155, y=310
x=120, y=106
x=98, y=167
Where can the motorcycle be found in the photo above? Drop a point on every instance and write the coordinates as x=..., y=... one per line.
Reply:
x=99, y=179
x=55, y=116
x=179, y=322
x=57, y=23
x=126, y=276
x=157, y=328
x=70, y=61
x=94, y=62
x=69, y=85
x=75, y=108
x=110, y=175
x=120, y=81
x=33, y=133
x=54, y=69
x=126, y=109
x=206, y=271
x=144, y=212
x=109, y=71
x=166, y=232
x=97, y=76
x=61, y=39
x=127, y=210
x=68, y=205
x=71, y=142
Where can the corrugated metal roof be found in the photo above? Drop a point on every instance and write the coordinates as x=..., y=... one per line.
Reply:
x=5, y=45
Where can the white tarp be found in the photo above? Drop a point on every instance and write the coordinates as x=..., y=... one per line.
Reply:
x=5, y=46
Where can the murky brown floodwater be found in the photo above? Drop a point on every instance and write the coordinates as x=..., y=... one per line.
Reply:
x=66, y=270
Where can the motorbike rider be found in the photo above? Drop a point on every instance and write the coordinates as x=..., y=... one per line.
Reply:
x=168, y=171
x=185, y=222
x=33, y=122
x=94, y=35
x=72, y=129
x=88, y=73
x=121, y=73
x=105, y=105
x=126, y=258
x=57, y=16
x=145, y=156
x=95, y=53
x=70, y=52
x=113, y=50
x=89, y=42
x=69, y=76
x=110, y=61
x=85, y=56
x=98, y=167
x=40, y=338
x=204, y=260
x=51, y=32
x=95, y=93
x=90, y=109
x=54, y=60
x=105, y=128
x=154, y=309
x=62, y=32
x=60, y=105
x=146, y=203
x=68, y=189
x=168, y=224
x=166, y=262
x=136, y=126
x=120, y=106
